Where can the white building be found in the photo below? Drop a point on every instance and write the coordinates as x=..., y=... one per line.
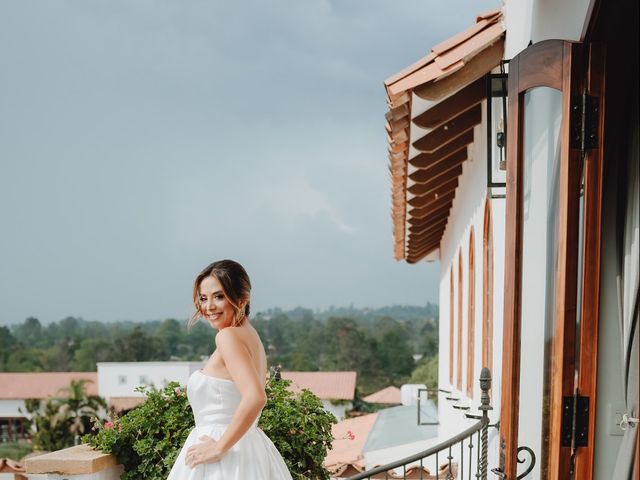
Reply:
x=336, y=390
x=118, y=381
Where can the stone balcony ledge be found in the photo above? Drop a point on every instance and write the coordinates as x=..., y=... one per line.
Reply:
x=81, y=462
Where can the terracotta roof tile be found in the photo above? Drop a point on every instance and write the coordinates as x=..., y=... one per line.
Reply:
x=120, y=404
x=326, y=385
x=10, y=466
x=345, y=451
x=389, y=396
x=22, y=385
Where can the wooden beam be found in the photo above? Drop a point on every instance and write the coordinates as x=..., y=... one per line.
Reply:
x=461, y=101
x=417, y=256
x=445, y=190
x=421, y=212
x=429, y=217
x=426, y=241
x=420, y=228
x=430, y=226
x=433, y=230
x=449, y=131
x=431, y=211
x=475, y=68
x=426, y=160
x=421, y=189
x=425, y=180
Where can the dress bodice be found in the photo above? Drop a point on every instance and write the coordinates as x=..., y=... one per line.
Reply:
x=213, y=400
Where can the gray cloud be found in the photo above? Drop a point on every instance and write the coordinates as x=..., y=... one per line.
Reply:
x=140, y=140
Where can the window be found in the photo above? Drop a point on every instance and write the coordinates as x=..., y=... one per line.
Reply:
x=471, y=311
x=459, y=376
x=452, y=320
x=143, y=380
x=487, y=288
x=122, y=379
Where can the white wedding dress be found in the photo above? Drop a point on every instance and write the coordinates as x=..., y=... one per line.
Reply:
x=253, y=457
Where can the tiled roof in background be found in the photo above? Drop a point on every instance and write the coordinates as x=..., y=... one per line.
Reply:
x=326, y=385
x=41, y=385
x=346, y=453
x=388, y=396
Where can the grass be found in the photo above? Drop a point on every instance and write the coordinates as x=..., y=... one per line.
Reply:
x=14, y=450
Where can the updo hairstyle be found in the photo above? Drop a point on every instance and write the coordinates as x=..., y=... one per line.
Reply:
x=236, y=287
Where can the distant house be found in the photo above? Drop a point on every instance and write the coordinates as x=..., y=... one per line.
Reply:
x=117, y=381
x=386, y=396
x=336, y=389
x=16, y=387
x=378, y=438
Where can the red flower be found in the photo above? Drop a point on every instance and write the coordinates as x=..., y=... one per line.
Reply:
x=349, y=436
x=108, y=425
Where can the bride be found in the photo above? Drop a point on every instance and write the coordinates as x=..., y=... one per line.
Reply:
x=228, y=394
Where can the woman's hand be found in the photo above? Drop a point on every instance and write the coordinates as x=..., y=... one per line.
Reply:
x=205, y=452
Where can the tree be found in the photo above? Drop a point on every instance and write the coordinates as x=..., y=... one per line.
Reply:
x=30, y=333
x=171, y=334
x=77, y=408
x=59, y=421
x=426, y=372
x=139, y=347
x=90, y=352
x=396, y=357
x=7, y=346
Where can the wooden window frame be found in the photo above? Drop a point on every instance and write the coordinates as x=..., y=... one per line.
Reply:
x=459, y=342
x=487, y=287
x=452, y=320
x=471, y=314
x=561, y=65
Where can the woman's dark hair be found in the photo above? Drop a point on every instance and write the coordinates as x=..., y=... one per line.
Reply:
x=236, y=287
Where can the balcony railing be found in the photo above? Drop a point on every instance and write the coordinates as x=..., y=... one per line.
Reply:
x=471, y=463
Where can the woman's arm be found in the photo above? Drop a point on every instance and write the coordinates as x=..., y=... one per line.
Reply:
x=238, y=361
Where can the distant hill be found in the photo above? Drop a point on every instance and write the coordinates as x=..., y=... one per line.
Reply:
x=402, y=313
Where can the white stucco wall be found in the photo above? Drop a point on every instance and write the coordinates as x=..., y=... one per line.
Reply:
x=537, y=20
x=339, y=411
x=11, y=408
x=468, y=211
x=120, y=379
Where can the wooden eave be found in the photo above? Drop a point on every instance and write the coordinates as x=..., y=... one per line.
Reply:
x=448, y=132
x=423, y=187
x=426, y=160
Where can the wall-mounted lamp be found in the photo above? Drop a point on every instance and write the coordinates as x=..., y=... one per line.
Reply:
x=497, y=131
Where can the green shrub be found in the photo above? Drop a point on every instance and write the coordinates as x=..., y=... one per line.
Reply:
x=147, y=440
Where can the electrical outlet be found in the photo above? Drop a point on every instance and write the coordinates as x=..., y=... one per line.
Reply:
x=614, y=417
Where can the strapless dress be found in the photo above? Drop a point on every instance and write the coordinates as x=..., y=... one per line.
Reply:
x=253, y=457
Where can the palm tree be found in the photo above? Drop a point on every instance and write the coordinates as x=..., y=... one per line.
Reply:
x=76, y=408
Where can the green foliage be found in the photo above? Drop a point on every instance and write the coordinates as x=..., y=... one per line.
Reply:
x=300, y=428
x=147, y=440
x=15, y=450
x=426, y=372
x=378, y=344
x=59, y=421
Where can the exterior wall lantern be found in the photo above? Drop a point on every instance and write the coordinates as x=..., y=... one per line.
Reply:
x=497, y=132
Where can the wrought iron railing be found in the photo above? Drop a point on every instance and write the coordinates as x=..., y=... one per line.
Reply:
x=454, y=466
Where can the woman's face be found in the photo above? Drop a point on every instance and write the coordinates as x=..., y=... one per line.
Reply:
x=214, y=306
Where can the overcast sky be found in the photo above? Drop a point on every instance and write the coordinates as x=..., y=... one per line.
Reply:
x=141, y=140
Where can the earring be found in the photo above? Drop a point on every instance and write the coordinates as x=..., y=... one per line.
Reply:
x=239, y=318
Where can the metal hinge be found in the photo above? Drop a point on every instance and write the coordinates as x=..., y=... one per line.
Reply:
x=584, y=122
x=574, y=431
